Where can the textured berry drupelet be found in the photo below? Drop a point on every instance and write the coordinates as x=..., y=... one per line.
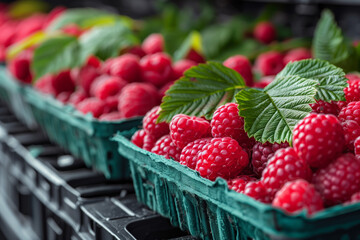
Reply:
x=76, y=97
x=341, y=104
x=111, y=116
x=181, y=66
x=261, y=154
x=63, y=82
x=318, y=139
x=20, y=66
x=351, y=132
x=221, y=157
x=352, y=92
x=185, y=129
x=265, y=32
x=108, y=87
x=355, y=198
x=353, y=76
x=283, y=167
x=156, y=69
x=269, y=63
x=238, y=184
x=149, y=142
x=154, y=43
x=257, y=191
x=151, y=127
x=190, y=153
x=126, y=67
x=165, y=147
x=297, y=54
x=91, y=105
x=351, y=112
x=339, y=180
x=86, y=76
x=136, y=99
x=226, y=122
x=243, y=66
x=298, y=195
x=138, y=138
x=357, y=146
x=325, y=107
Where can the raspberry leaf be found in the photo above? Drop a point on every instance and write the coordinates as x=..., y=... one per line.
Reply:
x=331, y=79
x=201, y=91
x=271, y=114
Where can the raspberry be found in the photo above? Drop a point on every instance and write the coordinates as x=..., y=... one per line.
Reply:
x=185, y=129
x=181, y=66
x=265, y=32
x=264, y=81
x=221, y=157
x=91, y=105
x=195, y=56
x=298, y=195
x=77, y=96
x=138, y=138
x=93, y=61
x=318, y=139
x=112, y=104
x=261, y=154
x=136, y=99
x=341, y=104
x=126, y=67
x=86, y=76
x=325, y=107
x=72, y=30
x=63, y=97
x=163, y=90
x=297, y=54
x=154, y=43
x=156, y=69
x=190, y=153
x=257, y=191
x=149, y=142
x=339, y=180
x=137, y=51
x=44, y=85
x=242, y=65
x=226, y=122
x=166, y=147
x=63, y=82
x=352, y=92
x=111, y=116
x=107, y=65
x=283, y=167
x=238, y=184
x=353, y=76
x=151, y=127
x=350, y=112
x=357, y=146
x=351, y=132
x=355, y=198
x=269, y=63
x=108, y=87
x=20, y=66
x=29, y=25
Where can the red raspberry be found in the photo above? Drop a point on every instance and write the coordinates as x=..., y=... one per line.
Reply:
x=353, y=76
x=352, y=92
x=108, y=87
x=93, y=61
x=265, y=32
x=137, y=51
x=20, y=66
x=257, y=191
x=151, y=127
x=238, y=184
x=136, y=99
x=355, y=198
x=166, y=147
x=163, y=90
x=190, y=153
x=138, y=138
x=63, y=97
x=195, y=56
x=357, y=146
x=181, y=66
x=126, y=67
x=339, y=180
x=185, y=129
x=226, y=122
x=112, y=104
x=63, y=82
x=297, y=54
x=264, y=81
x=298, y=195
x=72, y=30
x=318, y=139
x=91, y=105
x=44, y=85
x=350, y=112
x=325, y=107
x=111, y=116
x=242, y=65
x=261, y=154
x=154, y=43
x=283, y=167
x=341, y=104
x=149, y=142
x=269, y=63
x=156, y=69
x=77, y=96
x=29, y=25
x=86, y=76
x=351, y=132
x=106, y=66
x=221, y=157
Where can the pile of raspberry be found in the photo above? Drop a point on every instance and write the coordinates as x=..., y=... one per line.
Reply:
x=321, y=169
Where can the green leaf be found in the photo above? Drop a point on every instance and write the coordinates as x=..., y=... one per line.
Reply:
x=331, y=79
x=192, y=41
x=271, y=115
x=25, y=43
x=201, y=91
x=106, y=41
x=55, y=54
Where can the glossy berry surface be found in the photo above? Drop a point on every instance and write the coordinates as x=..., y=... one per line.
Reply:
x=351, y=132
x=190, y=153
x=258, y=191
x=265, y=32
x=154, y=43
x=156, y=69
x=351, y=112
x=151, y=127
x=126, y=67
x=238, y=184
x=165, y=147
x=270, y=63
x=325, y=107
x=91, y=105
x=352, y=92
x=243, y=66
x=108, y=87
x=297, y=54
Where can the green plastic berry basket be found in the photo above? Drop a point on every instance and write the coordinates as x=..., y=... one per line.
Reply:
x=82, y=135
x=210, y=210
x=11, y=93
